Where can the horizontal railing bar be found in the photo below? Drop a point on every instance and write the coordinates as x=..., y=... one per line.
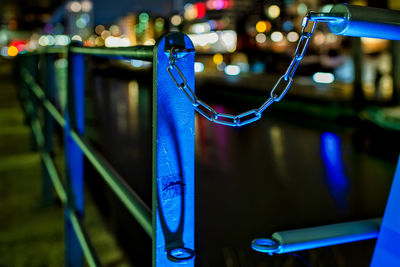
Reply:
x=41, y=96
x=55, y=178
x=319, y=236
x=47, y=50
x=84, y=241
x=141, y=52
x=128, y=197
x=140, y=211
x=48, y=162
x=83, y=238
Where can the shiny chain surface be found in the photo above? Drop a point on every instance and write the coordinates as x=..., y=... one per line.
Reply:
x=277, y=93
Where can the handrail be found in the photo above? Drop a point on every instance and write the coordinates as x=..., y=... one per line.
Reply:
x=128, y=197
x=82, y=236
x=168, y=246
x=141, y=52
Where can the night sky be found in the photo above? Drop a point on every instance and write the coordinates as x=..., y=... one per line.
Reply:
x=106, y=11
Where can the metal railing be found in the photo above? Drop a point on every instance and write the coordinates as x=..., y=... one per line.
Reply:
x=169, y=247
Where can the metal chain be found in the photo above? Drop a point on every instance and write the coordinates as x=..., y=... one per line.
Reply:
x=277, y=93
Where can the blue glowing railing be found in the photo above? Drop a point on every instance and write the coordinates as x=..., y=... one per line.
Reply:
x=170, y=221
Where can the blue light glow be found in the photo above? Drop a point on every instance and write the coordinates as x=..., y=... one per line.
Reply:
x=336, y=180
x=137, y=63
x=323, y=77
x=288, y=26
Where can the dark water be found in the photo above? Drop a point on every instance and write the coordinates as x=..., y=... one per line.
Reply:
x=283, y=172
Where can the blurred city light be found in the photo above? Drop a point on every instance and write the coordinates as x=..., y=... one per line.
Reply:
x=112, y=41
x=288, y=25
x=221, y=66
x=144, y=17
x=323, y=77
x=87, y=6
x=293, y=37
x=204, y=39
x=148, y=42
x=219, y=4
x=326, y=8
x=230, y=39
x=276, y=36
x=232, y=70
x=99, y=41
x=137, y=63
x=331, y=38
x=319, y=38
x=218, y=59
x=62, y=40
x=105, y=34
x=99, y=29
x=190, y=12
x=200, y=10
x=261, y=26
x=76, y=38
x=261, y=38
x=198, y=67
x=201, y=27
x=274, y=11
x=176, y=20
x=74, y=6
x=4, y=51
x=12, y=51
x=115, y=30
x=159, y=24
x=302, y=9
x=43, y=40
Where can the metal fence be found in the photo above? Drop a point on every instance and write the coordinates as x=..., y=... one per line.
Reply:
x=170, y=220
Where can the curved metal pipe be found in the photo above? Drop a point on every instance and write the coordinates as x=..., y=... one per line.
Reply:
x=320, y=236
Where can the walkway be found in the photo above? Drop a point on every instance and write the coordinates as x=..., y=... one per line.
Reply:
x=32, y=234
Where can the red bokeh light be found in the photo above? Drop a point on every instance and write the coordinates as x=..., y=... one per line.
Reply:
x=201, y=10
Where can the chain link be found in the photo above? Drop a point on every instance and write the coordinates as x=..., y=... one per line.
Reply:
x=279, y=90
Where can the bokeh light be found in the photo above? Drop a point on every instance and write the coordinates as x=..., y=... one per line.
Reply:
x=261, y=38
x=232, y=70
x=87, y=6
x=293, y=37
x=276, y=36
x=302, y=9
x=12, y=51
x=176, y=20
x=218, y=58
x=274, y=11
x=75, y=6
x=261, y=26
x=99, y=29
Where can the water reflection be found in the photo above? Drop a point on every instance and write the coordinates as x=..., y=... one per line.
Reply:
x=273, y=175
x=278, y=151
x=335, y=178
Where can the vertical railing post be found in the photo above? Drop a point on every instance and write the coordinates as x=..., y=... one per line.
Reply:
x=74, y=117
x=33, y=67
x=173, y=157
x=387, y=252
x=48, y=84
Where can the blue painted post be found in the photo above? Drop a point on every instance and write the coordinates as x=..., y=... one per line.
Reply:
x=387, y=250
x=173, y=157
x=74, y=117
